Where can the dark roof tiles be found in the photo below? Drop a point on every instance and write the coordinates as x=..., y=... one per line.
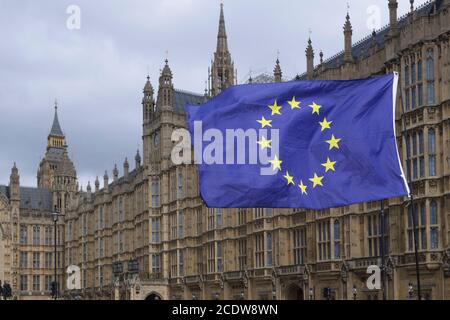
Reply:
x=32, y=198
x=181, y=98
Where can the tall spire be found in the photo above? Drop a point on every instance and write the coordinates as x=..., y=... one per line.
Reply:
x=56, y=138
x=56, y=128
x=222, y=42
x=222, y=70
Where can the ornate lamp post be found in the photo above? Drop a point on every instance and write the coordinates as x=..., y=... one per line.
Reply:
x=55, y=216
x=355, y=292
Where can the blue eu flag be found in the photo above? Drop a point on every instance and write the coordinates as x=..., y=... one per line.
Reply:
x=299, y=144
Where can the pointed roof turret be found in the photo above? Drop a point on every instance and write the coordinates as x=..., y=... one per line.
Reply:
x=14, y=169
x=56, y=138
x=309, y=60
x=165, y=90
x=222, y=42
x=347, y=24
x=222, y=70
x=56, y=128
x=97, y=184
x=148, y=88
x=166, y=72
x=277, y=73
x=348, y=32
x=137, y=160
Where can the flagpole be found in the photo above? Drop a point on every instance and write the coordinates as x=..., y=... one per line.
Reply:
x=411, y=202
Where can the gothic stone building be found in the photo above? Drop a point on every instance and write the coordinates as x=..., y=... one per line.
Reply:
x=147, y=234
x=26, y=222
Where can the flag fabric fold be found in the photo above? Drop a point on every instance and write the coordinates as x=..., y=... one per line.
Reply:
x=307, y=144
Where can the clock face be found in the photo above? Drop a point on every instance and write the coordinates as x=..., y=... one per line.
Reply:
x=156, y=139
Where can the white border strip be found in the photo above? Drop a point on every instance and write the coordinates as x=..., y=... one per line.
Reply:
x=394, y=102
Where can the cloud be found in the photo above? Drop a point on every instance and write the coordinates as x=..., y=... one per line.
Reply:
x=97, y=73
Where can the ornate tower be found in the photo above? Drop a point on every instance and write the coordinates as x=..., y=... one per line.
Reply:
x=149, y=115
x=56, y=144
x=309, y=60
x=14, y=187
x=393, y=6
x=348, y=32
x=277, y=73
x=165, y=91
x=222, y=70
x=56, y=171
x=148, y=103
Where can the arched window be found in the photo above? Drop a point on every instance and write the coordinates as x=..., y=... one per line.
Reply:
x=414, y=155
x=406, y=98
x=180, y=193
x=155, y=193
x=431, y=152
x=408, y=156
x=269, y=251
x=430, y=76
x=434, y=228
x=421, y=155
x=406, y=75
x=337, y=239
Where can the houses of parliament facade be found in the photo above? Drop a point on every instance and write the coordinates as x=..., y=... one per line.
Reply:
x=146, y=234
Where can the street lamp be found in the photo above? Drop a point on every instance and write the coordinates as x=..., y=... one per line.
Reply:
x=410, y=290
x=311, y=294
x=194, y=297
x=242, y=295
x=55, y=215
x=354, y=291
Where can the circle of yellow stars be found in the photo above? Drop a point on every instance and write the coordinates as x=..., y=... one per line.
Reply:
x=329, y=165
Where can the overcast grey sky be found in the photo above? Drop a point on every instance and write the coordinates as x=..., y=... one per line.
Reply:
x=97, y=72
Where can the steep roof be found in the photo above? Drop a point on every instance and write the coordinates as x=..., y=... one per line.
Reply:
x=56, y=128
x=181, y=98
x=32, y=198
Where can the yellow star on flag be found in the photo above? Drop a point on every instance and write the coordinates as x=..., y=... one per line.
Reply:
x=329, y=165
x=275, y=108
x=315, y=107
x=316, y=180
x=264, y=143
x=333, y=142
x=303, y=188
x=276, y=163
x=264, y=123
x=325, y=124
x=294, y=104
x=290, y=179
